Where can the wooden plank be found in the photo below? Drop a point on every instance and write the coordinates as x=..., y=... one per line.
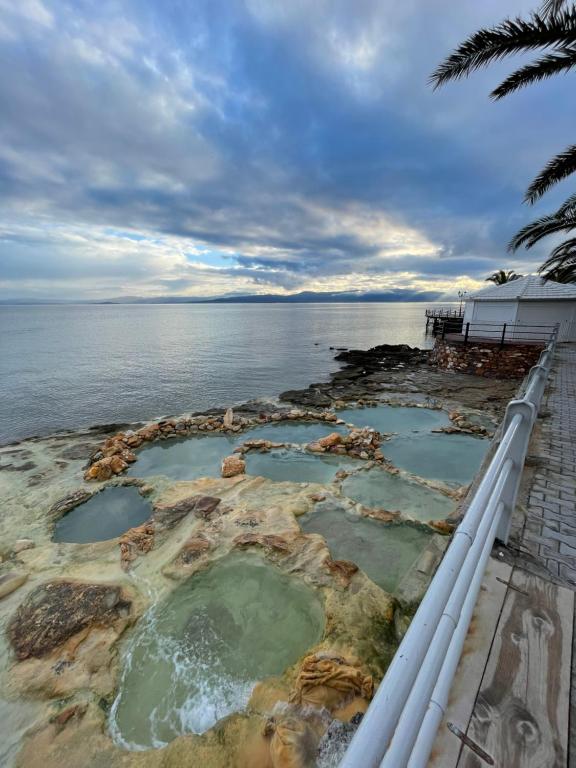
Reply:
x=521, y=712
x=468, y=679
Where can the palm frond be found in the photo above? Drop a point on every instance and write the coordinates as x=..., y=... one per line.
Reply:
x=557, y=169
x=552, y=7
x=568, y=207
x=563, y=252
x=532, y=233
x=561, y=263
x=511, y=36
x=547, y=66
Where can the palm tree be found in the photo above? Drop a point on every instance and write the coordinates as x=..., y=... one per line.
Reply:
x=553, y=29
x=553, y=32
x=501, y=276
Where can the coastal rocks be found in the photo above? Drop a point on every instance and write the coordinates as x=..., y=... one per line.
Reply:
x=193, y=549
x=68, y=502
x=307, y=397
x=103, y=469
x=384, y=357
x=9, y=582
x=334, y=438
x=55, y=612
x=330, y=681
x=342, y=569
x=136, y=541
x=266, y=540
x=358, y=443
x=228, y=419
x=232, y=466
x=202, y=507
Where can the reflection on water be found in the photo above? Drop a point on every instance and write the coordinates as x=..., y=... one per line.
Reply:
x=195, y=657
x=71, y=366
x=294, y=466
x=106, y=515
x=388, y=418
x=453, y=459
x=384, y=552
x=186, y=459
x=379, y=489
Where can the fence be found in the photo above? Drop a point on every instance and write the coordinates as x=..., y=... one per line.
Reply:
x=400, y=726
x=500, y=333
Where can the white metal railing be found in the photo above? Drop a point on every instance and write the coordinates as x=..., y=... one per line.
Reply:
x=400, y=725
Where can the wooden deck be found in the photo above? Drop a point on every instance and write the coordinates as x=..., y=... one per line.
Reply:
x=511, y=699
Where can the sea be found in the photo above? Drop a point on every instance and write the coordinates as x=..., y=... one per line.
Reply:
x=66, y=367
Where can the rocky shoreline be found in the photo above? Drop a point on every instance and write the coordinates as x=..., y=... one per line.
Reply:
x=64, y=608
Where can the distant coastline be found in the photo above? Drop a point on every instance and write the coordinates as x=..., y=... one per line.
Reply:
x=305, y=297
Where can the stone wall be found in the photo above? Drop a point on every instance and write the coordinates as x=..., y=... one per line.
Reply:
x=513, y=361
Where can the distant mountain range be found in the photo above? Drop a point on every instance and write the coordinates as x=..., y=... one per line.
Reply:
x=263, y=298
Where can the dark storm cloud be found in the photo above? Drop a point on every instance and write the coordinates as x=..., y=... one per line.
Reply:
x=298, y=141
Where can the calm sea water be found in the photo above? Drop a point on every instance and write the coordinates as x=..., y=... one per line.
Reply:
x=65, y=367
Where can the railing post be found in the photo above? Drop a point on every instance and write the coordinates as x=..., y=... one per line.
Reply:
x=503, y=335
x=518, y=448
x=467, y=332
x=443, y=328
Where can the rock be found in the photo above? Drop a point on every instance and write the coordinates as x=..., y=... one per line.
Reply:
x=193, y=549
x=343, y=569
x=315, y=447
x=136, y=541
x=68, y=502
x=232, y=466
x=202, y=506
x=266, y=540
x=10, y=581
x=334, y=438
x=228, y=418
x=442, y=526
x=118, y=465
x=58, y=610
x=21, y=544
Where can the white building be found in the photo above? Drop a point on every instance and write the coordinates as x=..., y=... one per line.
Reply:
x=527, y=305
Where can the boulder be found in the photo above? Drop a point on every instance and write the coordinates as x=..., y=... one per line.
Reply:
x=334, y=438
x=232, y=466
x=228, y=418
x=136, y=541
x=58, y=610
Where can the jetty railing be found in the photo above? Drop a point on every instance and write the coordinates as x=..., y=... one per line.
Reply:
x=500, y=333
x=400, y=725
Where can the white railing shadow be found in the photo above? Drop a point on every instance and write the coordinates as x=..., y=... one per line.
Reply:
x=400, y=725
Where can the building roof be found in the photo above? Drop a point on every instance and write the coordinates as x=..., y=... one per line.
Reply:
x=529, y=288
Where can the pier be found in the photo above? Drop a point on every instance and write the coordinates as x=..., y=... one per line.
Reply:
x=516, y=681
x=485, y=674
x=442, y=320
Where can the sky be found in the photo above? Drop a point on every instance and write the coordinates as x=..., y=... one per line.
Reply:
x=212, y=147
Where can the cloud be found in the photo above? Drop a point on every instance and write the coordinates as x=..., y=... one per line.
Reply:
x=232, y=147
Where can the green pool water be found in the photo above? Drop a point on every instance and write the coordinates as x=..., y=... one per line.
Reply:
x=384, y=552
x=297, y=466
x=195, y=457
x=381, y=490
x=401, y=419
x=195, y=657
x=186, y=459
x=292, y=431
x=453, y=459
x=106, y=515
